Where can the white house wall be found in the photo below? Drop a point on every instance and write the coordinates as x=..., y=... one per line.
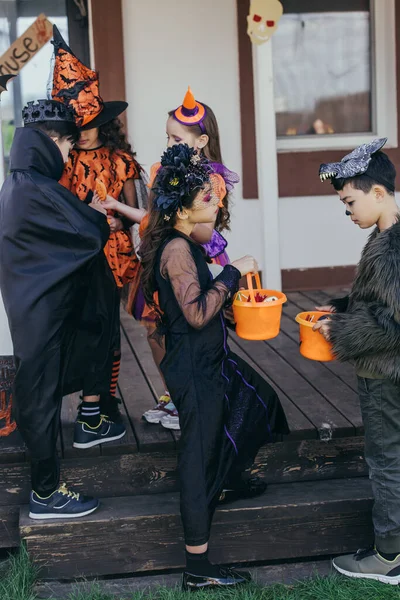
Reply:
x=5, y=337
x=170, y=44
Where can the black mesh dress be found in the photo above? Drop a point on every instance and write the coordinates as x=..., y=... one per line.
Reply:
x=226, y=410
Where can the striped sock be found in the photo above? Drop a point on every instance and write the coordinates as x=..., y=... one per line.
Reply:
x=115, y=374
x=90, y=413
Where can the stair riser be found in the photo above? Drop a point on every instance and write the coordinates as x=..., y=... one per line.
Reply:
x=147, y=473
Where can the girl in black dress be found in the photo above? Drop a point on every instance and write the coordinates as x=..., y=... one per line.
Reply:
x=227, y=411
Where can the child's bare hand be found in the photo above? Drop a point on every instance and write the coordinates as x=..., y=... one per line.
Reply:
x=115, y=224
x=111, y=203
x=228, y=314
x=326, y=308
x=245, y=265
x=324, y=328
x=98, y=206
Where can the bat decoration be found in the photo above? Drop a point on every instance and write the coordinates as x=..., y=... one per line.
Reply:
x=4, y=79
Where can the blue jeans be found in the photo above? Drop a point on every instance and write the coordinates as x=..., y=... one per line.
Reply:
x=380, y=407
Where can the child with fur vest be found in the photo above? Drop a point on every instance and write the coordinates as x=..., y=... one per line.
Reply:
x=364, y=328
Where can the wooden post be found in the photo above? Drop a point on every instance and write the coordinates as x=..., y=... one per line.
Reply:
x=267, y=166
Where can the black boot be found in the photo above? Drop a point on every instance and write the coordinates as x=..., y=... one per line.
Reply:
x=226, y=577
x=250, y=487
x=201, y=574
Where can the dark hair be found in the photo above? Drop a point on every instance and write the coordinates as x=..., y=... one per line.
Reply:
x=380, y=170
x=113, y=137
x=213, y=152
x=156, y=233
x=57, y=129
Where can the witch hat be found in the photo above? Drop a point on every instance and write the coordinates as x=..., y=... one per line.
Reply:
x=191, y=112
x=77, y=86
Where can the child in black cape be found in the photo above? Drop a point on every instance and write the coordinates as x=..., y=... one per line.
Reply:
x=59, y=295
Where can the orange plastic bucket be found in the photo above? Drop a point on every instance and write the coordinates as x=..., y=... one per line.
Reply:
x=257, y=320
x=312, y=344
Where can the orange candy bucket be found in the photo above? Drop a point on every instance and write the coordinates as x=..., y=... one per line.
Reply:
x=312, y=344
x=257, y=320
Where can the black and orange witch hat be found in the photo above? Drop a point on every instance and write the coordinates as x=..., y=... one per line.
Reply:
x=77, y=86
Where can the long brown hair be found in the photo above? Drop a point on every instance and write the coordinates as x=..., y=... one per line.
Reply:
x=212, y=151
x=156, y=233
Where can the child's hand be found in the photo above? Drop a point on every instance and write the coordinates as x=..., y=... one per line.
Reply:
x=326, y=308
x=115, y=224
x=111, y=203
x=324, y=328
x=228, y=314
x=245, y=265
x=97, y=205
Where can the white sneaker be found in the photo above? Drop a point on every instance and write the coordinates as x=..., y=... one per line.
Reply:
x=164, y=407
x=171, y=421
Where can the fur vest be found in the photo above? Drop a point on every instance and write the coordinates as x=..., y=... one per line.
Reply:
x=366, y=327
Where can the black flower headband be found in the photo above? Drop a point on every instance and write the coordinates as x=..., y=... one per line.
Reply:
x=182, y=172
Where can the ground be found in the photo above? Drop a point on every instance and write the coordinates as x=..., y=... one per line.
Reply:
x=17, y=582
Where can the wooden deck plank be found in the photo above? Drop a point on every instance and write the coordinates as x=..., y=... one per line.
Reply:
x=125, y=588
x=138, y=397
x=325, y=417
x=9, y=526
x=12, y=448
x=138, y=340
x=300, y=426
x=333, y=389
x=299, y=302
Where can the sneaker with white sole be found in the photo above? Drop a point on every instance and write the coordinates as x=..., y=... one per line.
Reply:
x=171, y=421
x=61, y=504
x=164, y=407
x=86, y=436
x=369, y=564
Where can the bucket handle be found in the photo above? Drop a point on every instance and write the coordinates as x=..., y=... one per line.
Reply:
x=250, y=285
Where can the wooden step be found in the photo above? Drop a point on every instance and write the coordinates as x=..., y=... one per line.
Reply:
x=155, y=473
x=144, y=533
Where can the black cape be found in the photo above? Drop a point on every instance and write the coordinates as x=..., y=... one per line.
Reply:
x=58, y=291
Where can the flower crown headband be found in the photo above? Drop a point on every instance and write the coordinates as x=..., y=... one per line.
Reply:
x=182, y=172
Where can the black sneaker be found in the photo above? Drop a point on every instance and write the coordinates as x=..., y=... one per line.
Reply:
x=227, y=578
x=61, y=504
x=109, y=407
x=86, y=436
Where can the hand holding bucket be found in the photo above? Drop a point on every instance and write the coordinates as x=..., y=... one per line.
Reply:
x=312, y=344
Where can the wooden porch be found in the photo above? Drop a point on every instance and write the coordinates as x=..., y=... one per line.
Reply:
x=318, y=503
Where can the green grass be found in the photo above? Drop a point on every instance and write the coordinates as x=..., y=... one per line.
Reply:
x=17, y=580
x=17, y=583
x=329, y=588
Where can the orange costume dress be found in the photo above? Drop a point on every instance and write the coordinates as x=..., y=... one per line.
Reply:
x=113, y=169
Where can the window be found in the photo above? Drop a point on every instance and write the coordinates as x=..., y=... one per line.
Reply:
x=334, y=74
x=31, y=82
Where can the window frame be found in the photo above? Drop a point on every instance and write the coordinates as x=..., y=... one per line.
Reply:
x=383, y=91
x=296, y=169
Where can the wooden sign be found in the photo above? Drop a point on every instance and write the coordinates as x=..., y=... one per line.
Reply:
x=26, y=46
